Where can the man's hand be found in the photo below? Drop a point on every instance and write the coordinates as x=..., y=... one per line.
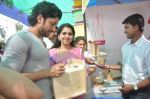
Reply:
x=113, y=67
x=57, y=70
x=103, y=66
x=127, y=88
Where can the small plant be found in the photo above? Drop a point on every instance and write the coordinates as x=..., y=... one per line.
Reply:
x=19, y=26
x=2, y=38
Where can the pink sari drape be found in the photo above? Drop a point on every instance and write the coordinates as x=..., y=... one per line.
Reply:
x=55, y=57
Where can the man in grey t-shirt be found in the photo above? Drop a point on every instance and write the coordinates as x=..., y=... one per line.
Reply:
x=25, y=51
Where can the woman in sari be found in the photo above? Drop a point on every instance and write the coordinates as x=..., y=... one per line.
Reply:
x=63, y=48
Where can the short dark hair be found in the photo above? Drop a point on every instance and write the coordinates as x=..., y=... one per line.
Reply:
x=57, y=43
x=135, y=19
x=77, y=39
x=46, y=9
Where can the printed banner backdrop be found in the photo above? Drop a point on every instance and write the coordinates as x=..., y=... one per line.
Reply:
x=9, y=25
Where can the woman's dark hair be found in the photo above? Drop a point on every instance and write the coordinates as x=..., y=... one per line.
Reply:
x=135, y=19
x=46, y=9
x=57, y=42
x=77, y=39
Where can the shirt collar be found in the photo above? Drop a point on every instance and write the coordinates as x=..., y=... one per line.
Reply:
x=139, y=41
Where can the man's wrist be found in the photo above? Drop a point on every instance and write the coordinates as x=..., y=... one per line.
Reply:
x=50, y=72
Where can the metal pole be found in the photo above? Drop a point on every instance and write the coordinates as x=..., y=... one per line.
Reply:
x=85, y=32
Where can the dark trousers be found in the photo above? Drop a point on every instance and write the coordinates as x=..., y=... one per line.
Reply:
x=138, y=94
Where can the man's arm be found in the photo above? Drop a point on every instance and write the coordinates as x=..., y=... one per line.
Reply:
x=143, y=84
x=129, y=87
x=54, y=71
x=13, y=85
x=15, y=56
x=15, y=53
x=113, y=67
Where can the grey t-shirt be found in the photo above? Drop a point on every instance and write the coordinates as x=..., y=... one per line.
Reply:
x=25, y=53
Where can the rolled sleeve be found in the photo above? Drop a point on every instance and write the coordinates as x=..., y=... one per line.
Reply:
x=15, y=53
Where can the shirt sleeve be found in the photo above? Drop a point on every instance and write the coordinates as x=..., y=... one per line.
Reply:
x=15, y=53
x=147, y=60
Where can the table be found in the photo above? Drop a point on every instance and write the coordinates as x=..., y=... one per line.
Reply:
x=109, y=93
x=114, y=95
x=109, y=90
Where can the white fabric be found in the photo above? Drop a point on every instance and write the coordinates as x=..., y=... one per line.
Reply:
x=136, y=61
x=88, y=54
x=48, y=43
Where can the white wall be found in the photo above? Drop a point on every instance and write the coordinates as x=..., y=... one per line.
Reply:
x=108, y=20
